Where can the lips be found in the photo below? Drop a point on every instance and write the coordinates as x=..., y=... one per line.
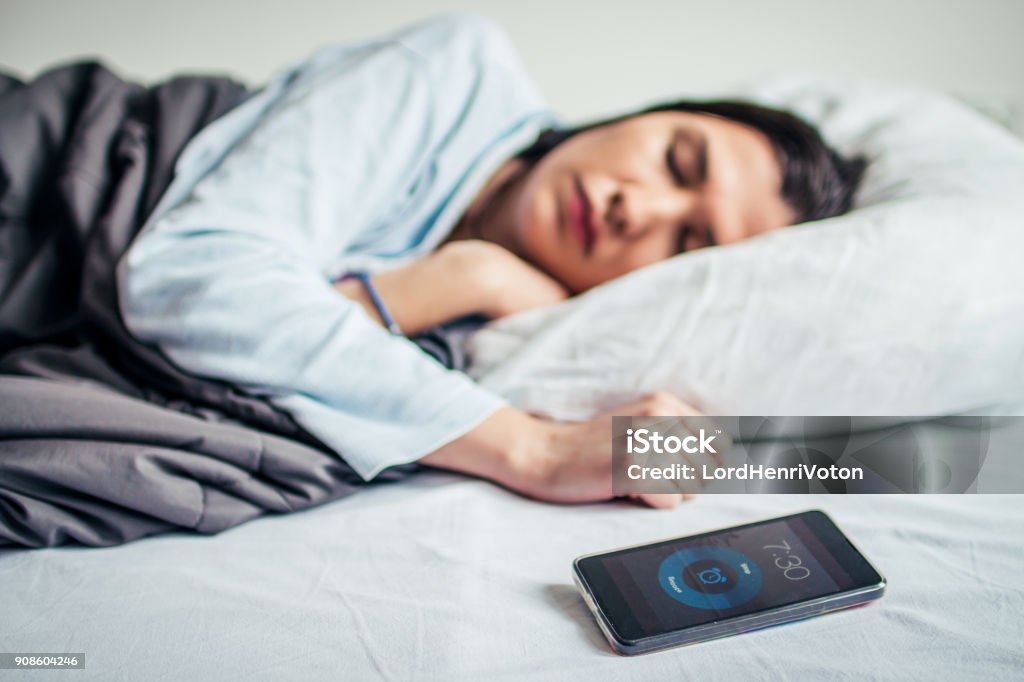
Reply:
x=581, y=217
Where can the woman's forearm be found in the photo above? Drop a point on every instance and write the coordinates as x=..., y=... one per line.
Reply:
x=558, y=462
x=500, y=449
x=444, y=286
x=461, y=278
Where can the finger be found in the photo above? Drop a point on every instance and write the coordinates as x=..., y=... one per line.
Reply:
x=670, y=404
x=658, y=404
x=686, y=497
x=681, y=408
x=702, y=459
x=661, y=500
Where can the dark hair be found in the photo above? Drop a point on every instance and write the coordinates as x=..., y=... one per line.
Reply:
x=817, y=182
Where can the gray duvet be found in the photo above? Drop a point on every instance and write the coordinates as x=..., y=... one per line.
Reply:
x=102, y=439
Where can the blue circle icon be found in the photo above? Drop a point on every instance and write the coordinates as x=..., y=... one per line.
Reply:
x=710, y=577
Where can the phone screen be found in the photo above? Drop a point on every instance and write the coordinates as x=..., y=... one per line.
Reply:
x=692, y=581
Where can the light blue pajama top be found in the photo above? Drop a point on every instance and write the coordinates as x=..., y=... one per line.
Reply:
x=362, y=157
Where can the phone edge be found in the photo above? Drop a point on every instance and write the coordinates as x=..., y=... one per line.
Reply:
x=716, y=630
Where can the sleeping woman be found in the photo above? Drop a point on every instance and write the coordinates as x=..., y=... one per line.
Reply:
x=382, y=188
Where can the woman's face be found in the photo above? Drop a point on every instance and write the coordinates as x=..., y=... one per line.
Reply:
x=616, y=198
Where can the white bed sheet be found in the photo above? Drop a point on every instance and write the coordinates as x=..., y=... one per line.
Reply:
x=448, y=578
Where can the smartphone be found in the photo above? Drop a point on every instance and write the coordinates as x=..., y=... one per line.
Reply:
x=701, y=587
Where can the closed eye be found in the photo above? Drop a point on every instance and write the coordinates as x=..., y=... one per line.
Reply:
x=673, y=164
x=695, y=146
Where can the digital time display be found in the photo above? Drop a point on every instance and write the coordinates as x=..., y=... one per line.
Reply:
x=792, y=566
x=686, y=583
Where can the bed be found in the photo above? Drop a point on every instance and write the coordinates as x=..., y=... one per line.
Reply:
x=429, y=576
x=442, y=577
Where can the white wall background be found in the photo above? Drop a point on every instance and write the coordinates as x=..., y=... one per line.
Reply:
x=590, y=57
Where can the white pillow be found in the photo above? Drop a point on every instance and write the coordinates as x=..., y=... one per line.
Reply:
x=913, y=304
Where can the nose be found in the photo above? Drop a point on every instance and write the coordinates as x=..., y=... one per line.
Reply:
x=634, y=212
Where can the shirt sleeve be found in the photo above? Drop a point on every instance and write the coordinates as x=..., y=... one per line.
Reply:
x=232, y=282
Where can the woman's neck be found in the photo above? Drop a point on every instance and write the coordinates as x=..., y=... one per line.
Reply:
x=491, y=215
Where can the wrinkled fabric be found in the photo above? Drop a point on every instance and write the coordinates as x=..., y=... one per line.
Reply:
x=446, y=578
x=910, y=304
x=362, y=157
x=102, y=439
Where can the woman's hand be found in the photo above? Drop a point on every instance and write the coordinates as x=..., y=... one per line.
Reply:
x=506, y=283
x=553, y=461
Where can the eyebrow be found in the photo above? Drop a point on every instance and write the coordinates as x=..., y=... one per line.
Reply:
x=700, y=143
